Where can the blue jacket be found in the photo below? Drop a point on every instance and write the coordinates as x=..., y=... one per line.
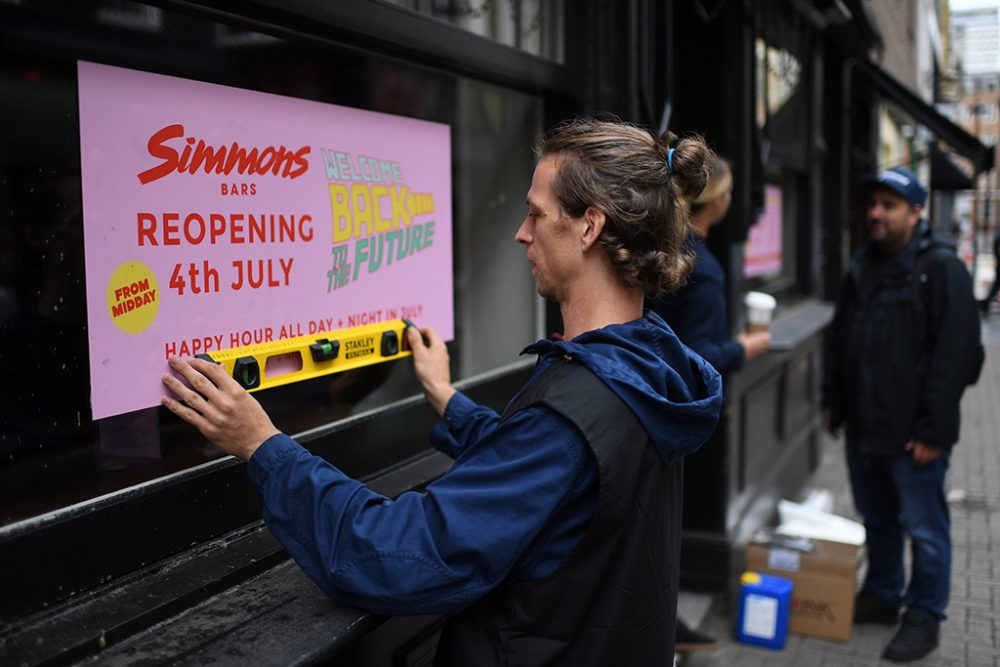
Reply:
x=697, y=312
x=514, y=504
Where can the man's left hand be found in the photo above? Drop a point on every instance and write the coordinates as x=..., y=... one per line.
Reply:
x=922, y=452
x=432, y=366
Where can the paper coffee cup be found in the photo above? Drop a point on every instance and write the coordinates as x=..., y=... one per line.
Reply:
x=760, y=310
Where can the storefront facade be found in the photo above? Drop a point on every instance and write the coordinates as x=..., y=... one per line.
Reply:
x=130, y=538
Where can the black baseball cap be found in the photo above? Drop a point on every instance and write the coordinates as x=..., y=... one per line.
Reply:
x=903, y=182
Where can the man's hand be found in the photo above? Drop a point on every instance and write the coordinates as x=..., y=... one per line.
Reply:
x=922, y=452
x=218, y=407
x=430, y=363
x=754, y=343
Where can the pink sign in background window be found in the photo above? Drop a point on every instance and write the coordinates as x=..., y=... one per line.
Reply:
x=762, y=252
x=216, y=217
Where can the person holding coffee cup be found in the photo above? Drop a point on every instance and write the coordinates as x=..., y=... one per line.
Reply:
x=697, y=312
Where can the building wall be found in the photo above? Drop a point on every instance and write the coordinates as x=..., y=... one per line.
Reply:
x=897, y=21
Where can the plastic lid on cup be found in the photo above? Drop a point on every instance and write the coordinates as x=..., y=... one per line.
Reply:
x=760, y=301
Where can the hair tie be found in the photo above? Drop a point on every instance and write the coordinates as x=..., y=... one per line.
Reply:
x=670, y=161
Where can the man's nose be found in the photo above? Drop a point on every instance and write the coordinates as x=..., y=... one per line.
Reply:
x=522, y=235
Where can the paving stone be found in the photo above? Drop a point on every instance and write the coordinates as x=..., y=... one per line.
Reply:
x=979, y=655
x=952, y=645
x=872, y=642
x=809, y=654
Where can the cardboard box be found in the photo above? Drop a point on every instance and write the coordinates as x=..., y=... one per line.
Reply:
x=824, y=574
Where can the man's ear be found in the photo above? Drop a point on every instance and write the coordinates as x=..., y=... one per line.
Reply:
x=593, y=219
x=915, y=211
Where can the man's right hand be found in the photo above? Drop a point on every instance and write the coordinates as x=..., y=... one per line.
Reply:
x=431, y=364
x=754, y=343
x=217, y=406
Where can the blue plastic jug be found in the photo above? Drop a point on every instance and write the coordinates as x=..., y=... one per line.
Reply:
x=762, y=617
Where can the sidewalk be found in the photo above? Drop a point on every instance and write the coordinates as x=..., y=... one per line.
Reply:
x=971, y=634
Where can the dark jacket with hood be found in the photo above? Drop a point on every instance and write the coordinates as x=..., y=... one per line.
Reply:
x=900, y=346
x=518, y=499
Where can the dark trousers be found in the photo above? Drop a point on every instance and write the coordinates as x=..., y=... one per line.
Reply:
x=899, y=499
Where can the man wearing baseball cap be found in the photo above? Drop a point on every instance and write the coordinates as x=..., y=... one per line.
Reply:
x=901, y=350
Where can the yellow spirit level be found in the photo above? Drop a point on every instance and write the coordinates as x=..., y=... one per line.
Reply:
x=290, y=360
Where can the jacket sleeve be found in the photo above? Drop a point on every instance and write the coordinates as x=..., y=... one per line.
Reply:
x=464, y=422
x=698, y=317
x=726, y=356
x=952, y=307
x=432, y=552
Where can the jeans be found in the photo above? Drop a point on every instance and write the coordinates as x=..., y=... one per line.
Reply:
x=897, y=498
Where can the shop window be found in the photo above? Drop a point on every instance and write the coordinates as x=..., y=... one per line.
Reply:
x=781, y=113
x=533, y=26
x=769, y=254
x=780, y=82
x=778, y=76
x=52, y=453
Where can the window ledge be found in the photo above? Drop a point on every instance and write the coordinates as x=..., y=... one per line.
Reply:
x=795, y=326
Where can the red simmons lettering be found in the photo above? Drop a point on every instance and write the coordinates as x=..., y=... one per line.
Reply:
x=195, y=154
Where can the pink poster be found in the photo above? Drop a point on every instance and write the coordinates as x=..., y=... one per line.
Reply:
x=762, y=252
x=216, y=218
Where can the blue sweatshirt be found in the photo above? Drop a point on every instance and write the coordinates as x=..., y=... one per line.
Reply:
x=514, y=504
x=697, y=312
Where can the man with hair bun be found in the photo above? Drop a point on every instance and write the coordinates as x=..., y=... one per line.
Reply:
x=555, y=537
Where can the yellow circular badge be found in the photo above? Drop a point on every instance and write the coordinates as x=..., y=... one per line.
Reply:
x=133, y=297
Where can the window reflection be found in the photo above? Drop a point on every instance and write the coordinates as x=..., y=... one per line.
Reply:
x=780, y=107
x=533, y=26
x=778, y=73
x=781, y=63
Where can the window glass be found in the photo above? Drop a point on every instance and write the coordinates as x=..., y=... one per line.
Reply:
x=781, y=113
x=781, y=77
x=533, y=26
x=51, y=452
x=762, y=253
x=780, y=106
x=769, y=254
